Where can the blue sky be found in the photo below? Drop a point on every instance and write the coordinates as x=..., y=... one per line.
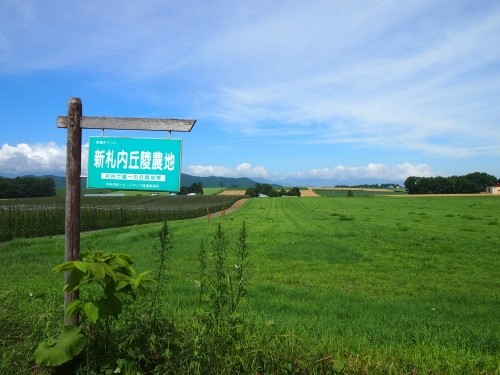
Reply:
x=323, y=92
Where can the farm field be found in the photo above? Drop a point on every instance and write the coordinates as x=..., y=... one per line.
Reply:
x=402, y=286
x=232, y=192
x=34, y=217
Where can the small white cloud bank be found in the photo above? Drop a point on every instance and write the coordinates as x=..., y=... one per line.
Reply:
x=241, y=170
x=37, y=159
x=371, y=171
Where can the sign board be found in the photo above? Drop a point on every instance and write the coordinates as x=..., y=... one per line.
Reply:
x=151, y=164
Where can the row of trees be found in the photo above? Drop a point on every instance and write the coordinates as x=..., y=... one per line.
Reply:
x=266, y=189
x=370, y=186
x=195, y=188
x=27, y=187
x=469, y=184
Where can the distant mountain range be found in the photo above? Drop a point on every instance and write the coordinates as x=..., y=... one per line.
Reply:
x=186, y=180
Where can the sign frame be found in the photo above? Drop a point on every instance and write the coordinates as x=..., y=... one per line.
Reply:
x=134, y=163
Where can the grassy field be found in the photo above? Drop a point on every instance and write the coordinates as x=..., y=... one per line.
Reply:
x=212, y=191
x=404, y=286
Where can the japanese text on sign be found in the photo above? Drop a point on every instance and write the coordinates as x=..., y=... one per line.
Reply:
x=134, y=163
x=144, y=160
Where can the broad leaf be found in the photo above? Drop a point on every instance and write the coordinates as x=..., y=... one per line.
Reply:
x=108, y=271
x=123, y=259
x=97, y=270
x=74, y=280
x=91, y=311
x=142, y=277
x=82, y=266
x=63, y=267
x=55, y=351
x=73, y=308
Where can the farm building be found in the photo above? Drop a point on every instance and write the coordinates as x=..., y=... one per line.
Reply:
x=495, y=189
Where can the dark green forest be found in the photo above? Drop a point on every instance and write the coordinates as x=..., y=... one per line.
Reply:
x=471, y=183
x=27, y=187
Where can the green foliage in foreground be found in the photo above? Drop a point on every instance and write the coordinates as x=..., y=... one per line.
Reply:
x=393, y=285
x=112, y=278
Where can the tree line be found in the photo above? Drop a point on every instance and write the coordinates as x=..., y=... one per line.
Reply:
x=268, y=190
x=471, y=183
x=370, y=186
x=27, y=187
x=195, y=188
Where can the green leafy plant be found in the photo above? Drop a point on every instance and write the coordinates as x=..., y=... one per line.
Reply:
x=109, y=278
x=112, y=273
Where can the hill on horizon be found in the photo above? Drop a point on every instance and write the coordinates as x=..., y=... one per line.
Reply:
x=186, y=180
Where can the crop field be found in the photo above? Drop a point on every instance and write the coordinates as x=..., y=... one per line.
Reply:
x=400, y=286
x=35, y=217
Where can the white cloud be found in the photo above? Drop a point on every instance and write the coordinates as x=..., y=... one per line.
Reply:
x=37, y=158
x=209, y=170
x=40, y=158
x=241, y=170
x=371, y=171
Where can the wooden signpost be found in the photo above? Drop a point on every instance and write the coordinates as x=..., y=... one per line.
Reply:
x=75, y=122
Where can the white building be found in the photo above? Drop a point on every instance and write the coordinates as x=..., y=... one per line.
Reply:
x=495, y=189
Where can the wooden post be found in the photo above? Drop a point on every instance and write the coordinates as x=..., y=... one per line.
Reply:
x=73, y=190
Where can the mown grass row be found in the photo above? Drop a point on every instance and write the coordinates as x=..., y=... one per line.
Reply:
x=25, y=218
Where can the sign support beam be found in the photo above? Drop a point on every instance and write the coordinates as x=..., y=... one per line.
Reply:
x=128, y=123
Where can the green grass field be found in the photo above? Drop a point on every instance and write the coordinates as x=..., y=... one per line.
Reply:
x=212, y=191
x=394, y=285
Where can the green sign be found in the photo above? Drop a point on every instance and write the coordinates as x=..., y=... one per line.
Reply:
x=150, y=164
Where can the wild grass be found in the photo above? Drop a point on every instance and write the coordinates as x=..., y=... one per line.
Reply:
x=393, y=285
